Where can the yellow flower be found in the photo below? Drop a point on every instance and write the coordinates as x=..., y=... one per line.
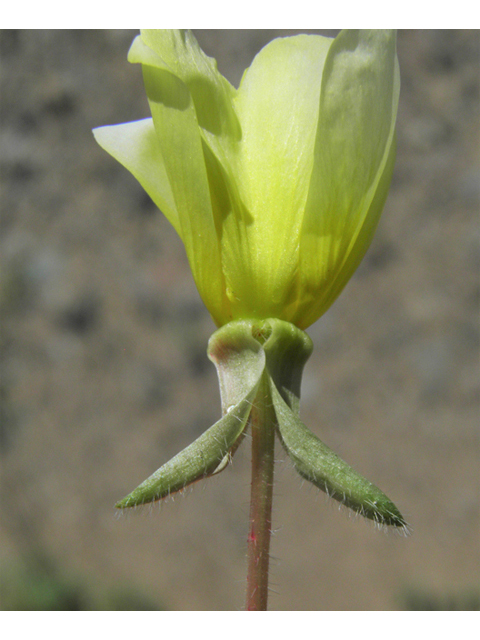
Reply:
x=275, y=188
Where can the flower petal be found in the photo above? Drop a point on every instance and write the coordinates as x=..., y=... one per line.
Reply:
x=353, y=160
x=277, y=104
x=362, y=241
x=135, y=146
x=211, y=93
x=180, y=141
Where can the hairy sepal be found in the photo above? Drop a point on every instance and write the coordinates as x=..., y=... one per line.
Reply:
x=209, y=454
x=321, y=466
x=287, y=351
x=240, y=362
x=245, y=352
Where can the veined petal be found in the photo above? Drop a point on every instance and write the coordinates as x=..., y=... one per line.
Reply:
x=135, y=146
x=353, y=160
x=213, y=100
x=180, y=141
x=277, y=104
x=211, y=92
x=315, y=308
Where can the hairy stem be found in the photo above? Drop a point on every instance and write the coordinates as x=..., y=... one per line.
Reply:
x=262, y=422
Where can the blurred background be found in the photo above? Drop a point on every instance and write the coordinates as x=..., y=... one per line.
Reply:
x=104, y=373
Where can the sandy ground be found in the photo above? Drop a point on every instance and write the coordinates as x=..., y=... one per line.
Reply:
x=104, y=374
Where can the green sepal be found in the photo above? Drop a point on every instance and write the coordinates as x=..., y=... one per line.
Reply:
x=204, y=457
x=321, y=466
x=240, y=363
x=244, y=352
x=287, y=351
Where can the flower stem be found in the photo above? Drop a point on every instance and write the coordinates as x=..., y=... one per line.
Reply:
x=262, y=422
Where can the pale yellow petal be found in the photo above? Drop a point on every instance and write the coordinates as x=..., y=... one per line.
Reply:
x=135, y=146
x=181, y=144
x=277, y=104
x=353, y=160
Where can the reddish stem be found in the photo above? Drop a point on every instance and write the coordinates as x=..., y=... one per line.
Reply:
x=262, y=422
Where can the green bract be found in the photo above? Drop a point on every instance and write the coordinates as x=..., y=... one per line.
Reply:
x=275, y=188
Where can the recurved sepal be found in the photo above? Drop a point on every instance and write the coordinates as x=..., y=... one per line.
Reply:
x=245, y=352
